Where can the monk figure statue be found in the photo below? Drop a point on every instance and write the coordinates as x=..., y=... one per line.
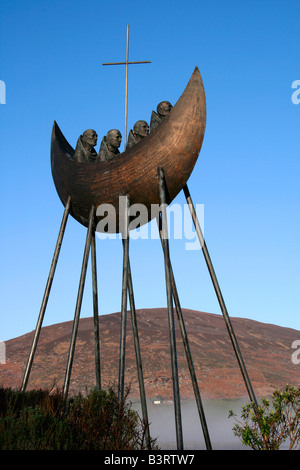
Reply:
x=163, y=109
x=84, y=151
x=110, y=145
x=139, y=131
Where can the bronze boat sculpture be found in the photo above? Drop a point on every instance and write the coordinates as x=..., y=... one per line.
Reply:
x=173, y=146
x=151, y=172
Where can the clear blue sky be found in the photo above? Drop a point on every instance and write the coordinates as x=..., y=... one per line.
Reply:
x=247, y=174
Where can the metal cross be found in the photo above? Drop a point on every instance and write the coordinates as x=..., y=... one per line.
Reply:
x=126, y=79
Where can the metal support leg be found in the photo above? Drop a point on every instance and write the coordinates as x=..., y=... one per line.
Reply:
x=124, y=302
x=165, y=242
x=96, y=312
x=220, y=297
x=138, y=357
x=189, y=359
x=46, y=296
x=78, y=303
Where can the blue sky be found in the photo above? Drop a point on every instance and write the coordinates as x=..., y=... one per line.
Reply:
x=247, y=174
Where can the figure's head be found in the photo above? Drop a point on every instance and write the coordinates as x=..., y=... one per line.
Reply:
x=114, y=138
x=141, y=128
x=90, y=136
x=163, y=108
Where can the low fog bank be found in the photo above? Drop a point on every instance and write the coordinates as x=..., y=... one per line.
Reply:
x=162, y=424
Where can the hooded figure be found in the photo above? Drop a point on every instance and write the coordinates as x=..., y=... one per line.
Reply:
x=140, y=130
x=163, y=109
x=84, y=151
x=110, y=145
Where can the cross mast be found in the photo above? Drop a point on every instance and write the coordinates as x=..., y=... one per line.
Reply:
x=126, y=63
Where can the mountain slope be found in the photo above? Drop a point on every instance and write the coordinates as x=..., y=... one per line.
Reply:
x=266, y=350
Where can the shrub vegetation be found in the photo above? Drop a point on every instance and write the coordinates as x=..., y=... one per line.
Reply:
x=43, y=420
x=273, y=424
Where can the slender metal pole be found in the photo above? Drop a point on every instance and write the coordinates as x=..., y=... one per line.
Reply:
x=129, y=63
x=96, y=312
x=126, y=78
x=78, y=303
x=138, y=357
x=126, y=85
x=46, y=295
x=165, y=242
x=220, y=297
x=189, y=359
x=124, y=302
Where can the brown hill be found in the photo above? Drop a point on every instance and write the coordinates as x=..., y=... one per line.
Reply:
x=266, y=350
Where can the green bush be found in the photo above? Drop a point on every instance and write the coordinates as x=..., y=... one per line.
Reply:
x=272, y=424
x=42, y=420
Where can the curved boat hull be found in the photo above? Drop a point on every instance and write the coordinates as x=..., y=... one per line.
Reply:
x=173, y=146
